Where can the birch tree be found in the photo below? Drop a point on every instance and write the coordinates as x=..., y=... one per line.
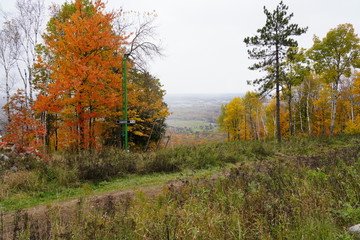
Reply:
x=334, y=57
x=9, y=53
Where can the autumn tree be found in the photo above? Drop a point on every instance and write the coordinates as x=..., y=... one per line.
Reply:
x=294, y=71
x=352, y=95
x=242, y=118
x=270, y=47
x=234, y=120
x=334, y=57
x=253, y=111
x=147, y=104
x=84, y=86
x=309, y=90
x=221, y=121
x=147, y=107
x=97, y=55
x=23, y=131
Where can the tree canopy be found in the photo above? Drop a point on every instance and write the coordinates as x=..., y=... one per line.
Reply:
x=270, y=47
x=334, y=57
x=79, y=78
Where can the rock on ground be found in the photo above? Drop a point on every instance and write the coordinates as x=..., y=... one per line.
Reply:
x=355, y=231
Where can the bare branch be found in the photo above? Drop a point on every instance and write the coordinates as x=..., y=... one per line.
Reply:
x=28, y=23
x=9, y=52
x=143, y=44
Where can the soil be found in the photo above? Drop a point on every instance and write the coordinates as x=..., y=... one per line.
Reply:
x=12, y=222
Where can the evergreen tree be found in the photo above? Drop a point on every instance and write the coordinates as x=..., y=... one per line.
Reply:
x=270, y=47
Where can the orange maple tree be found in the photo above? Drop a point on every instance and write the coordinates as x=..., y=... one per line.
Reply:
x=23, y=133
x=84, y=84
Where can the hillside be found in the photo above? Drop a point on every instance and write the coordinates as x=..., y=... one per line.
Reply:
x=305, y=188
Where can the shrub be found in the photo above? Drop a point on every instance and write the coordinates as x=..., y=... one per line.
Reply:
x=22, y=180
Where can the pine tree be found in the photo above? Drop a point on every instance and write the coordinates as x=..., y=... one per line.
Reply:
x=270, y=47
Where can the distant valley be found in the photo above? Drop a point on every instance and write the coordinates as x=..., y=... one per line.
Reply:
x=196, y=107
x=194, y=117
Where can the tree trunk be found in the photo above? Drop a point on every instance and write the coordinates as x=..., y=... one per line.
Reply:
x=258, y=124
x=352, y=111
x=81, y=127
x=25, y=81
x=308, y=114
x=44, y=122
x=294, y=120
x=30, y=87
x=333, y=106
x=274, y=121
x=264, y=125
x=301, y=120
x=245, y=128
x=308, y=108
x=56, y=132
x=252, y=132
x=290, y=115
x=7, y=89
x=278, y=126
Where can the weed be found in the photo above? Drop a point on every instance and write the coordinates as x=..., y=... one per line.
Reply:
x=301, y=189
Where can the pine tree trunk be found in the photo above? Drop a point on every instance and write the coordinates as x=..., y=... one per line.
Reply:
x=278, y=126
x=294, y=120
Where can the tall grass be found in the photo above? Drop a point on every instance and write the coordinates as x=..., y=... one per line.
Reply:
x=69, y=170
x=310, y=191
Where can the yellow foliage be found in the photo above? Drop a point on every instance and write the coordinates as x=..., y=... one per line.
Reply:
x=241, y=118
x=353, y=127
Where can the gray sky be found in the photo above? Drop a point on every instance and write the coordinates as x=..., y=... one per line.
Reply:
x=203, y=39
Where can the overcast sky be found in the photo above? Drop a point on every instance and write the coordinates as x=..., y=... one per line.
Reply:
x=203, y=39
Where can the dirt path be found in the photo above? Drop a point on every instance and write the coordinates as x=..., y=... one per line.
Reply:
x=14, y=222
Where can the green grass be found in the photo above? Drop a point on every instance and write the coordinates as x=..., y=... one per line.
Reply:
x=24, y=200
x=304, y=188
x=72, y=176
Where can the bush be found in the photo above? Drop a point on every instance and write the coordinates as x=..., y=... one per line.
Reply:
x=27, y=181
x=103, y=165
x=272, y=199
x=161, y=162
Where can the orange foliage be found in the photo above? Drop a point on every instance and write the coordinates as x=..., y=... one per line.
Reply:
x=23, y=132
x=84, y=87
